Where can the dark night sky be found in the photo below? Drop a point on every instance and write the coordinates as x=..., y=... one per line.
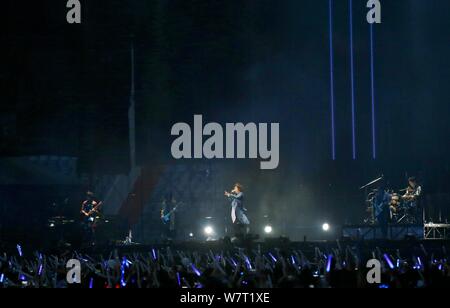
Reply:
x=65, y=88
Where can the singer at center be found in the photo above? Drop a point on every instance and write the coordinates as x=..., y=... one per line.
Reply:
x=238, y=216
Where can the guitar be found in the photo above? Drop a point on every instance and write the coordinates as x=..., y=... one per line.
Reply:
x=91, y=211
x=166, y=217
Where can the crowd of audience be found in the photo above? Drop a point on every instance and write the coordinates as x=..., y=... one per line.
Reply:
x=233, y=268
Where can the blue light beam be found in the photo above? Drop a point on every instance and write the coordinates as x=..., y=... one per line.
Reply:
x=332, y=102
x=372, y=75
x=352, y=77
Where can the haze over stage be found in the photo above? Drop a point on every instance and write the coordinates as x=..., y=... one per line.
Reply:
x=91, y=106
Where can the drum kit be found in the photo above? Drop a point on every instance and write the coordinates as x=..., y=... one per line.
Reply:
x=400, y=205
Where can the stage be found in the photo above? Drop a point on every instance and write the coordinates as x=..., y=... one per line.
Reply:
x=428, y=231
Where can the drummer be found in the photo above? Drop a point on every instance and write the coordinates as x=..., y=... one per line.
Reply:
x=412, y=199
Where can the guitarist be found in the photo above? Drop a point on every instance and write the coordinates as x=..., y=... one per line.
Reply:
x=381, y=210
x=90, y=209
x=168, y=213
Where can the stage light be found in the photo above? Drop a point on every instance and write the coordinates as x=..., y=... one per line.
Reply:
x=268, y=229
x=208, y=230
x=326, y=227
x=191, y=234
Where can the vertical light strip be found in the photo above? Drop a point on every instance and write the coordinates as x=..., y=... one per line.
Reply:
x=352, y=75
x=333, y=128
x=372, y=75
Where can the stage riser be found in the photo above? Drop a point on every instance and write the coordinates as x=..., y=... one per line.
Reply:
x=375, y=232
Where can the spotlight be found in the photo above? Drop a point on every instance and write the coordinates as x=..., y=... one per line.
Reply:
x=208, y=230
x=268, y=229
x=191, y=234
x=326, y=227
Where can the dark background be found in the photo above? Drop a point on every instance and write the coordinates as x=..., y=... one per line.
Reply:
x=65, y=89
